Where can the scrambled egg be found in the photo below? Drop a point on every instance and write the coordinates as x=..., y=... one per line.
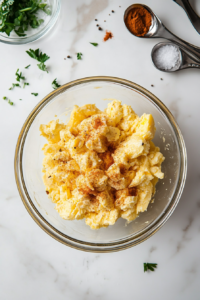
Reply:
x=101, y=165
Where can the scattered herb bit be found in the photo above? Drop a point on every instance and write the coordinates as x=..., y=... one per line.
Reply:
x=14, y=85
x=68, y=56
x=42, y=67
x=35, y=94
x=55, y=84
x=20, y=99
x=5, y=98
x=39, y=56
x=100, y=28
x=10, y=102
x=94, y=44
x=149, y=266
x=27, y=67
x=79, y=54
x=19, y=75
x=19, y=15
x=25, y=83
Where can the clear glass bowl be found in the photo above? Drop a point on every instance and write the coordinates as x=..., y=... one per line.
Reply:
x=34, y=34
x=29, y=156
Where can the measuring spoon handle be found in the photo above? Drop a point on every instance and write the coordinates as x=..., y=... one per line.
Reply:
x=194, y=18
x=163, y=32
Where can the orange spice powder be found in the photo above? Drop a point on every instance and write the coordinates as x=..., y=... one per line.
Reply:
x=108, y=36
x=138, y=21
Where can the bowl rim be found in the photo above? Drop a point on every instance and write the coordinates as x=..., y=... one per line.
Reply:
x=87, y=246
x=36, y=36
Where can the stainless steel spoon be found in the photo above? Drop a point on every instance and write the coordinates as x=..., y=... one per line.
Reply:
x=158, y=30
x=194, y=18
x=185, y=61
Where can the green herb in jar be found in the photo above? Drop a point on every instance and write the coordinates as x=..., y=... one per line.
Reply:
x=19, y=15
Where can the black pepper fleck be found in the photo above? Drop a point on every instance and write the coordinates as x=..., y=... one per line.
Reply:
x=47, y=192
x=152, y=85
x=60, y=150
x=161, y=78
x=68, y=56
x=104, y=20
x=74, y=147
x=97, y=25
x=142, y=144
x=49, y=177
x=64, y=58
x=100, y=28
x=113, y=11
x=96, y=20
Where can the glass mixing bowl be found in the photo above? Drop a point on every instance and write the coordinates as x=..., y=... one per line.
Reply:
x=29, y=156
x=34, y=34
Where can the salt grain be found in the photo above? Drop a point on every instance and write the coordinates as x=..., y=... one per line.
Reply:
x=166, y=57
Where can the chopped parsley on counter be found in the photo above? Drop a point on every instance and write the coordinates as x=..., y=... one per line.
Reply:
x=39, y=56
x=19, y=75
x=55, y=84
x=79, y=55
x=35, y=94
x=149, y=266
x=94, y=44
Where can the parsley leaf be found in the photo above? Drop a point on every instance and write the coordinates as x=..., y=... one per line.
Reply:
x=94, y=44
x=42, y=67
x=19, y=75
x=4, y=98
x=10, y=102
x=25, y=83
x=149, y=266
x=35, y=94
x=27, y=67
x=79, y=54
x=55, y=84
x=39, y=56
x=13, y=85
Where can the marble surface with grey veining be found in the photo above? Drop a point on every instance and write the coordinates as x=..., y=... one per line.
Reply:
x=32, y=264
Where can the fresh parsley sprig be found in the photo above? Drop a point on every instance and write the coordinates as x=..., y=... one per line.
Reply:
x=79, y=55
x=39, y=56
x=19, y=75
x=94, y=44
x=55, y=84
x=14, y=85
x=149, y=266
x=25, y=83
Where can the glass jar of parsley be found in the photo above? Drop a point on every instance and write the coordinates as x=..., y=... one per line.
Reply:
x=25, y=21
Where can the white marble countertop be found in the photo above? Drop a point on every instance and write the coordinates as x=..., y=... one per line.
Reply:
x=35, y=266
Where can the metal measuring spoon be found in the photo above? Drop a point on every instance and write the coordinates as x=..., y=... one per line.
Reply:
x=158, y=30
x=185, y=61
x=194, y=18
